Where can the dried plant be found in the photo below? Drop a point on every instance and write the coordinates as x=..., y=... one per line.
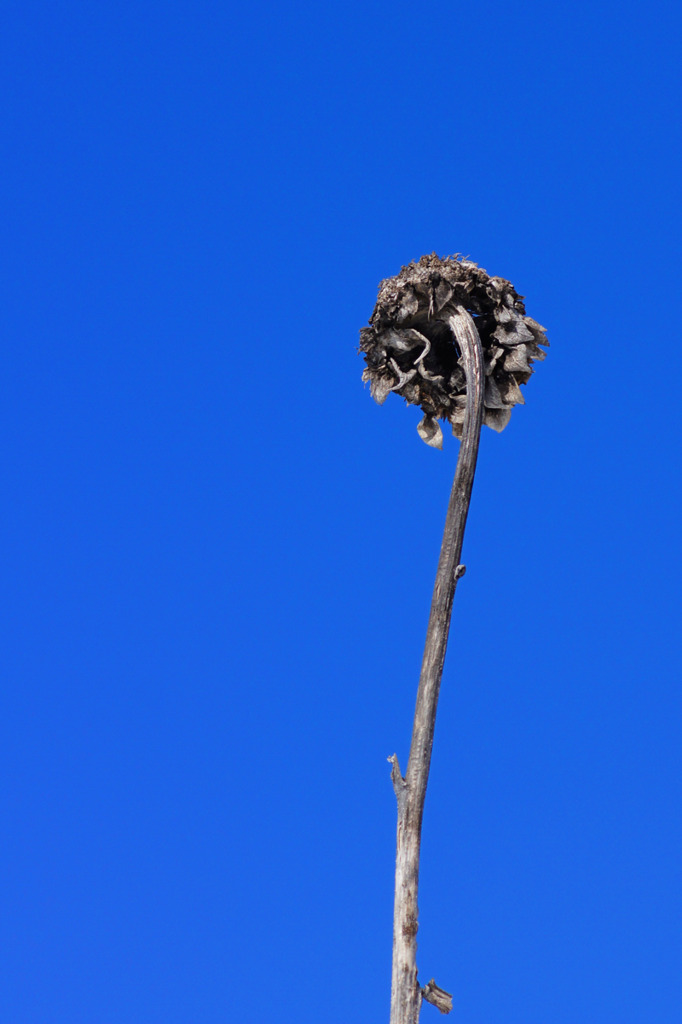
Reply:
x=409, y=346
x=456, y=342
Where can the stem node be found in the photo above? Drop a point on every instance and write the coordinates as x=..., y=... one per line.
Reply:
x=437, y=996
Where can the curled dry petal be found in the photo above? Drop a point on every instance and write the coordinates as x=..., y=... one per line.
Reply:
x=430, y=432
x=403, y=378
x=409, y=347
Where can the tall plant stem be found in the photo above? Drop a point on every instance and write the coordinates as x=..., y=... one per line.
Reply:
x=406, y=993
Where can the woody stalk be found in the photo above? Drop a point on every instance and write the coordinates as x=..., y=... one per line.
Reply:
x=447, y=337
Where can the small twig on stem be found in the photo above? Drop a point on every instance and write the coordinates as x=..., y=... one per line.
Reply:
x=406, y=995
x=437, y=997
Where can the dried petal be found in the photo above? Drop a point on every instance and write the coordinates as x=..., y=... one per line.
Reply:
x=457, y=421
x=403, y=378
x=495, y=356
x=428, y=376
x=510, y=391
x=416, y=337
x=443, y=294
x=536, y=327
x=380, y=388
x=536, y=353
x=497, y=418
x=493, y=399
x=517, y=359
x=430, y=432
x=513, y=333
x=399, y=339
x=408, y=306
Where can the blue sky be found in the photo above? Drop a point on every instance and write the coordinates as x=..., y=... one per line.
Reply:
x=219, y=551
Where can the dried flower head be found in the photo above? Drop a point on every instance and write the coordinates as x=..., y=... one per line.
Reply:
x=410, y=349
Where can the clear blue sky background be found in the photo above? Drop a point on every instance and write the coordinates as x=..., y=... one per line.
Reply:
x=219, y=551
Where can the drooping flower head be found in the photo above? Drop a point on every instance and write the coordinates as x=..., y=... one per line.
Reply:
x=410, y=349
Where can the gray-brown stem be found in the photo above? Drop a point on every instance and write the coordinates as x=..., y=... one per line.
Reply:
x=406, y=994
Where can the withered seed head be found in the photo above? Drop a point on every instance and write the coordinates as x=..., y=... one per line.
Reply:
x=410, y=349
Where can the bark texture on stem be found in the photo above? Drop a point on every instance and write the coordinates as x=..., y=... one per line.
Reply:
x=406, y=994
